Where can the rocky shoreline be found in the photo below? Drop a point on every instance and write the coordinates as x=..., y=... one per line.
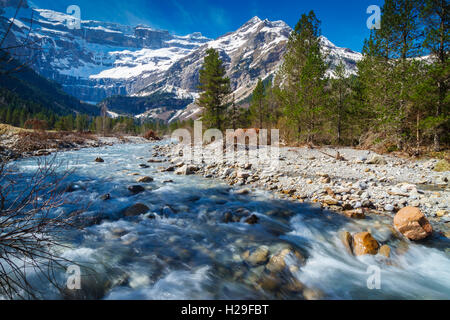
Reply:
x=17, y=143
x=356, y=183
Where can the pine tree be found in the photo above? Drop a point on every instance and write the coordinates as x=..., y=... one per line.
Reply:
x=435, y=15
x=216, y=88
x=81, y=122
x=257, y=105
x=340, y=94
x=388, y=72
x=234, y=114
x=303, y=74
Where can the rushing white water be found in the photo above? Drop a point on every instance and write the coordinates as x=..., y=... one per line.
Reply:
x=188, y=252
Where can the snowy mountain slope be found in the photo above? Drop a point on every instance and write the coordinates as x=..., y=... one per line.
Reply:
x=106, y=59
x=99, y=59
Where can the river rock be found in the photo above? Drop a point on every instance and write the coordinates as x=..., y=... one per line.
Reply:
x=243, y=175
x=155, y=161
x=253, y=219
x=145, y=180
x=136, y=189
x=277, y=262
x=295, y=285
x=379, y=160
x=413, y=224
x=312, y=294
x=42, y=152
x=136, y=210
x=228, y=217
x=355, y=214
x=325, y=179
x=167, y=211
x=105, y=197
x=347, y=240
x=441, y=213
x=385, y=251
x=330, y=201
x=99, y=160
x=259, y=256
x=168, y=169
x=364, y=243
x=269, y=282
x=242, y=192
x=186, y=170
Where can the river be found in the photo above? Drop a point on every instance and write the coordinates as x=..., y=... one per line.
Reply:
x=182, y=249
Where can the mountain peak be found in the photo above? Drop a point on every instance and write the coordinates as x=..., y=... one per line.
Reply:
x=254, y=20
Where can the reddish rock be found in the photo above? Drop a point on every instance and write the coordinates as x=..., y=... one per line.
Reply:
x=413, y=224
x=364, y=243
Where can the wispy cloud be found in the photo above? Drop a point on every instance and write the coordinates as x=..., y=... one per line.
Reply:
x=187, y=16
x=219, y=17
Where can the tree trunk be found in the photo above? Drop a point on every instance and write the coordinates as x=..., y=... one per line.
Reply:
x=418, y=133
x=436, y=142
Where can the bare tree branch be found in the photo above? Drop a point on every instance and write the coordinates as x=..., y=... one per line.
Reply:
x=31, y=227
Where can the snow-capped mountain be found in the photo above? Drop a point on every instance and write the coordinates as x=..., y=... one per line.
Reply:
x=254, y=51
x=102, y=59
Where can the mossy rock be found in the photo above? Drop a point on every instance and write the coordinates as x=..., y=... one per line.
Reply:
x=442, y=166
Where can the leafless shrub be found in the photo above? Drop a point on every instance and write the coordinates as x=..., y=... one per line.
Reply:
x=31, y=229
x=38, y=140
x=151, y=135
x=11, y=48
x=36, y=125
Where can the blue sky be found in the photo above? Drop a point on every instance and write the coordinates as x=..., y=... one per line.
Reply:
x=343, y=22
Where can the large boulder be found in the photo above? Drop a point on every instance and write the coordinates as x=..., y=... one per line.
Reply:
x=364, y=243
x=413, y=224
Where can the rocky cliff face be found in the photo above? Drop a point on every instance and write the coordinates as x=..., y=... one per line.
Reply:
x=102, y=59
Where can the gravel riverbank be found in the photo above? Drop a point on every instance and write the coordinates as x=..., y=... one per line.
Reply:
x=358, y=184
